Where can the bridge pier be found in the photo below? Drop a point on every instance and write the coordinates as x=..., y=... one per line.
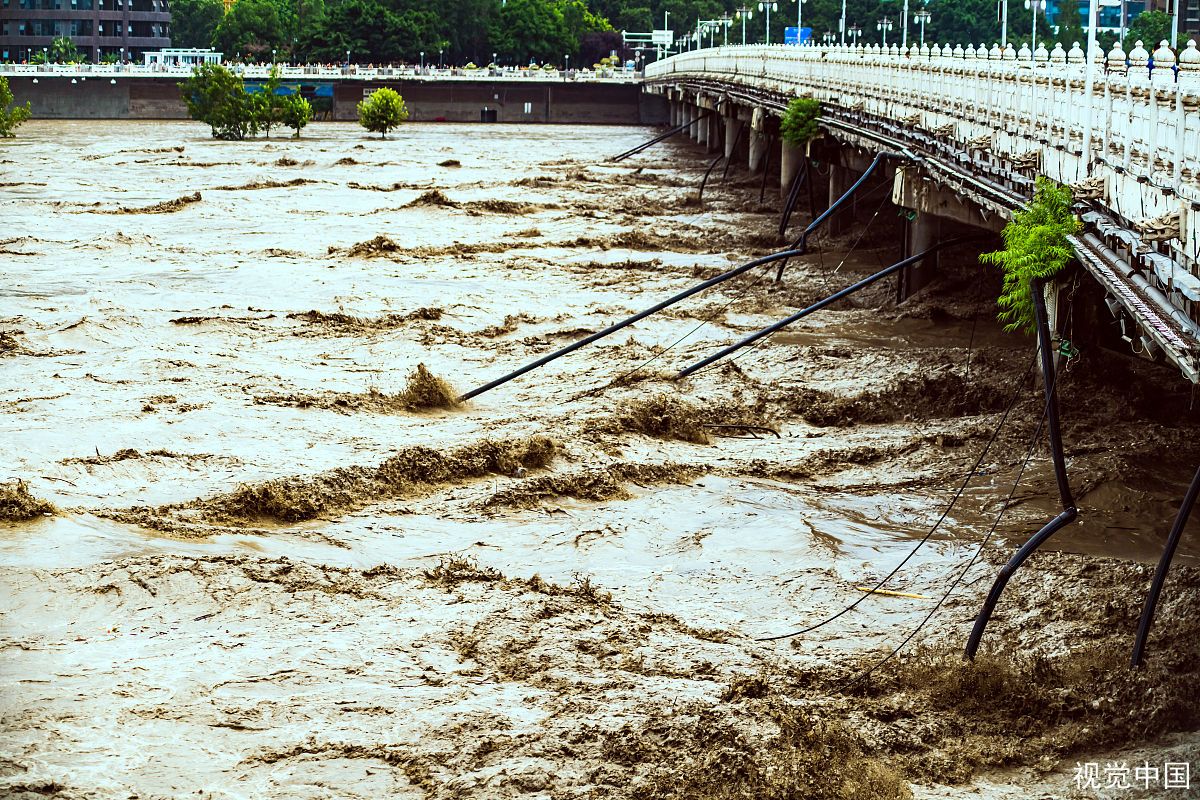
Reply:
x=790, y=160
x=920, y=233
x=715, y=128
x=758, y=140
x=733, y=126
x=840, y=181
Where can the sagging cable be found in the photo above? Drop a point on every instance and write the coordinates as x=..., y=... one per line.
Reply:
x=1069, y=512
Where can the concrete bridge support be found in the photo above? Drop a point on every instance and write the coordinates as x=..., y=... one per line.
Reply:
x=733, y=126
x=840, y=181
x=757, y=140
x=716, y=127
x=790, y=161
x=932, y=205
x=920, y=233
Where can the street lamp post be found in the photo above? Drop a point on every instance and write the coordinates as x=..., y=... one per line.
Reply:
x=1004, y=24
x=1034, y=6
x=855, y=32
x=800, y=21
x=768, y=7
x=745, y=13
x=904, y=26
x=272, y=56
x=842, y=23
x=422, y=61
x=440, y=57
x=347, y=59
x=922, y=17
x=883, y=26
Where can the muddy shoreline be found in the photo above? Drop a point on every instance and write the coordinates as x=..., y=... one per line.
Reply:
x=275, y=559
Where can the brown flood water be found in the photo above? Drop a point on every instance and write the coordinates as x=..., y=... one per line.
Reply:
x=167, y=631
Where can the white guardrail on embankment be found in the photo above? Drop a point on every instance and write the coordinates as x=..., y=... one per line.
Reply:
x=1034, y=108
x=321, y=72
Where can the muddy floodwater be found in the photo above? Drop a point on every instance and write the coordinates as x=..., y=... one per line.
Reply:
x=280, y=561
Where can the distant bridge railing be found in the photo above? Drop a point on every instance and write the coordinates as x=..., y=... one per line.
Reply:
x=310, y=72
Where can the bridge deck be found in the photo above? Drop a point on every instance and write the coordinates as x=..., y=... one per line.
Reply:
x=985, y=128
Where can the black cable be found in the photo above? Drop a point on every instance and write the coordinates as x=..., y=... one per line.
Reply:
x=974, y=558
x=925, y=539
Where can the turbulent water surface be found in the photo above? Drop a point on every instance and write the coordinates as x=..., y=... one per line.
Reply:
x=282, y=564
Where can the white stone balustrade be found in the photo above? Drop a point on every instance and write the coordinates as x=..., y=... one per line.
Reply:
x=1144, y=124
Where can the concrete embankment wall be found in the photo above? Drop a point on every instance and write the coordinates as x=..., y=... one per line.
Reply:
x=450, y=101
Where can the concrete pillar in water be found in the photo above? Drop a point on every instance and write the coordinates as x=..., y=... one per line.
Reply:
x=714, y=132
x=840, y=180
x=732, y=126
x=758, y=141
x=922, y=232
x=673, y=112
x=791, y=159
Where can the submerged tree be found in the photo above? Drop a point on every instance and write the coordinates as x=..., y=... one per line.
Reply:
x=295, y=112
x=10, y=118
x=382, y=111
x=218, y=97
x=1035, y=246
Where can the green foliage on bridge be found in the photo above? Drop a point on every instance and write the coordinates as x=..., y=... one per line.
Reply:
x=1035, y=246
x=799, y=123
x=382, y=111
x=10, y=118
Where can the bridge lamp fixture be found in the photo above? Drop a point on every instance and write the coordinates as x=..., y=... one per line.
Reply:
x=855, y=33
x=883, y=26
x=744, y=13
x=422, y=60
x=272, y=56
x=768, y=7
x=440, y=57
x=922, y=17
x=1035, y=6
x=800, y=20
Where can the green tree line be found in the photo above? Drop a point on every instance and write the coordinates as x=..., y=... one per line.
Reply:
x=547, y=31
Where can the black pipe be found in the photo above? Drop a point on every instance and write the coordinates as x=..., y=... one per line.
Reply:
x=766, y=168
x=657, y=139
x=1069, y=512
x=724, y=276
x=817, y=306
x=711, y=167
x=1026, y=550
x=1164, y=564
x=1045, y=345
x=802, y=243
x=733, y=150
x=793, y=195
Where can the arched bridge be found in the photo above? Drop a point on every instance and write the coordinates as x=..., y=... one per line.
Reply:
x=967, y=130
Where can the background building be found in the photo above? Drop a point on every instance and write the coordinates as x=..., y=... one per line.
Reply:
x=122, y=28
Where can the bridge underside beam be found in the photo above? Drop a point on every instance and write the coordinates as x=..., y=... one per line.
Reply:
x=918, y=193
